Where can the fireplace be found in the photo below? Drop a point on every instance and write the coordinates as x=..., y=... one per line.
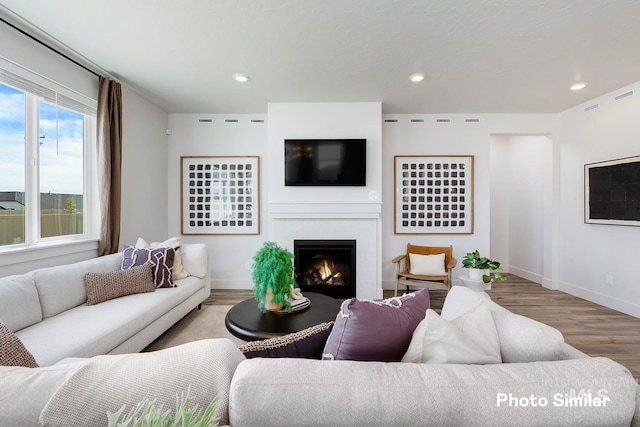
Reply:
x=326, y=267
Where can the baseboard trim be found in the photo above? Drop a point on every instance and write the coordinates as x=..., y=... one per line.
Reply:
x=605, y=300
x=231, y=284
x=534, y=277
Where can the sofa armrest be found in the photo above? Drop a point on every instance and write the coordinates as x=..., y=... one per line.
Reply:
x=570, y=352
x=24, y=392
x=280, y=392
x=105, y=383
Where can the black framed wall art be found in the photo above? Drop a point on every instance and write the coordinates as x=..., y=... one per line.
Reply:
x=612, y=192
x=220, y=195
x=433, y=194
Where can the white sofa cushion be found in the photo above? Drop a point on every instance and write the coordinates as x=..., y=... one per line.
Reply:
x=195, y=259
x=521, y=339
x=62, y=288
x=470, y=338
x=20, y=305
x=87, y=331
x=349, y=393
x=105, y=383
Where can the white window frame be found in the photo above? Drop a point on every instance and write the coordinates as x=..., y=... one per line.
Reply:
x=43, y=89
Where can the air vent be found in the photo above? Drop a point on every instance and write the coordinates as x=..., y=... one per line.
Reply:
x=391, y=120
x=205, y=120
x=591, y=107
x=231, y=120
x=443, y=120
x=472, y=120
x=417, y=120
x=257, y=121
x=624, y=95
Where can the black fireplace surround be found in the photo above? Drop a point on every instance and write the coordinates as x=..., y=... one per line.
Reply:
x=326, y=267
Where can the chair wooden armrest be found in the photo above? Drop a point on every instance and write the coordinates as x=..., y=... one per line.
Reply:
x=452, y=263
x=399, y=258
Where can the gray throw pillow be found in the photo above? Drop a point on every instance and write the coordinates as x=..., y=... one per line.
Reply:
x=114, y=284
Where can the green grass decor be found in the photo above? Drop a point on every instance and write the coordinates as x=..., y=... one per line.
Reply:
x=273, y=270
x=148, y=414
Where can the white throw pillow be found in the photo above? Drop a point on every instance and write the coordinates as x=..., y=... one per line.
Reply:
x=178, y=272
x=469, y=339
x=427, y=265
x=521, y=339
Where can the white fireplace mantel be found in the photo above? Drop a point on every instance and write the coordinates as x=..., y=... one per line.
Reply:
x=325, y=210
x=358, y=221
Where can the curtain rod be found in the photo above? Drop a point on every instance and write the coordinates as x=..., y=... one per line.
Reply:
x=48, y=47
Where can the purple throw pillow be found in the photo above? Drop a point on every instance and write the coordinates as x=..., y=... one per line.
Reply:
x=376, y=330
x=160, y=258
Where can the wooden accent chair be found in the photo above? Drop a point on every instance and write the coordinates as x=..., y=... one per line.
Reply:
x=404, y=276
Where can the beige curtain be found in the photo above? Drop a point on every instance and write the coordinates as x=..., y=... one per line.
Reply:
x=109, y=163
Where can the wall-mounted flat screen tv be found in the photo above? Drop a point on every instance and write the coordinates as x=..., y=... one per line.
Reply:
x=325, y=162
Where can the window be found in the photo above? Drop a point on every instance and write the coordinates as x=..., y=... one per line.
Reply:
x=12, y=159
x=45, y=139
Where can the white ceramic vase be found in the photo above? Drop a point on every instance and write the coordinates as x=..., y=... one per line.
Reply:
x=476, y=273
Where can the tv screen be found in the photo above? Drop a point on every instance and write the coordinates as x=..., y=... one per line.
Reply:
x=325, y=162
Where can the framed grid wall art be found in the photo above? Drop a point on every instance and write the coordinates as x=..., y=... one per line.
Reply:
x=433, y=194
x=220, y=195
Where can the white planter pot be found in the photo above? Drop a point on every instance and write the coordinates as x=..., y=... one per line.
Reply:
x=476, y=273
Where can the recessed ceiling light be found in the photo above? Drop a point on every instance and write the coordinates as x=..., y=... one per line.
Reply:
x=242, y=78
x=578, y=86
x=418, y=77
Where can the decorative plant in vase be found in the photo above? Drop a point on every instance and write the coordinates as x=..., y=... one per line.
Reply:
x=482, y=267
x=273, y=277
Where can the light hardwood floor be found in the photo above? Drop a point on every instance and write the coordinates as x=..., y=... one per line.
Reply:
x=591, y=328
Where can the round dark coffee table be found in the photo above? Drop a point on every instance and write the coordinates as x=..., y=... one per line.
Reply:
x=246, y=322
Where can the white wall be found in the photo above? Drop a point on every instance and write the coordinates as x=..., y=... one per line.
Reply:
x=329, y=212
x=521, y=173
x=588, y=252
x=230, y=255
x=499, y=216
x=144, y=172
x=457, y=136
x=323, y=120
x=22, y=50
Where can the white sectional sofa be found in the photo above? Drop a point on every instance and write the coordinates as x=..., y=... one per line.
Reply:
x=46, y=308
x=301, y=392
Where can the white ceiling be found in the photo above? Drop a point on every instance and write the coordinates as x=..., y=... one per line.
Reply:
x=480, y=56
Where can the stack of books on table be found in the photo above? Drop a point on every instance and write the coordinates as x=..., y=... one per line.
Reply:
x=299, y=304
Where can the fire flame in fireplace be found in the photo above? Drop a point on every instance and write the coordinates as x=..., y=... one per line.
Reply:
x=326, y=273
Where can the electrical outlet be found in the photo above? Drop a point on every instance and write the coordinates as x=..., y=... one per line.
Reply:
x=609, y=279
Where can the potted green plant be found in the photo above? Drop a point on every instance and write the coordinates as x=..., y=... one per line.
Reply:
x=273, y=277
x=482, y=267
